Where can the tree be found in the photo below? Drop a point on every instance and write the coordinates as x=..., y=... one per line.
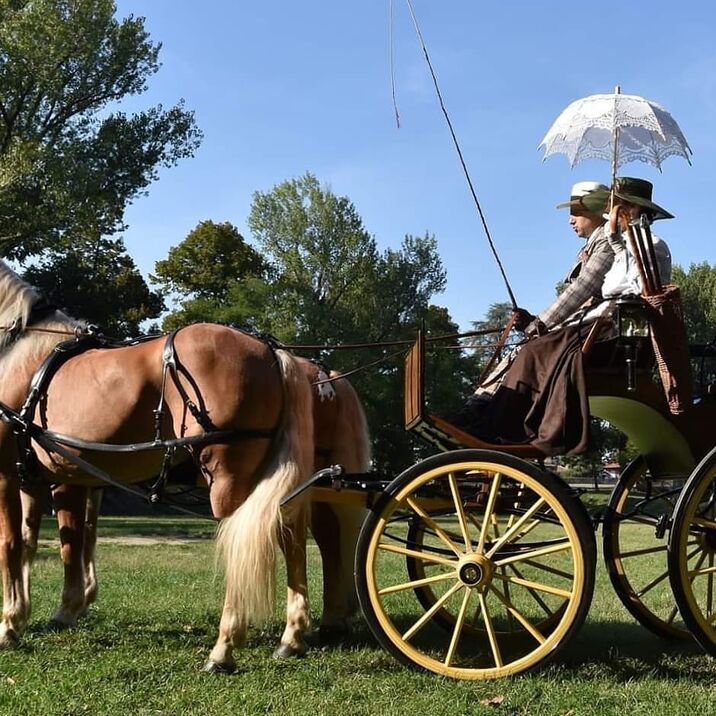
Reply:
x=698, y=296
x=70, y=160
x=208, y=262
x=327, y=283
x=99, y=282
x=216, y=276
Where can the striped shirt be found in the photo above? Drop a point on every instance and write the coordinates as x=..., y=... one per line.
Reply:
x=584, y=280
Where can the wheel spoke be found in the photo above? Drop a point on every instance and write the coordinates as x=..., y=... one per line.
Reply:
x=564, y=593
x=703, y=522
x=701, y=572
x=672, y=615
x=417, y=583
x=519, y=616
x=532, y=554
x=646, y=550
x=491, y=500
x=458, y=628
x=424, y=556
x=430, y=522
x=429, y=614
x=490, y=630
x=652, y=584
x=550, y=569
x=516, y=527
x=459, y=509
x=532, y=592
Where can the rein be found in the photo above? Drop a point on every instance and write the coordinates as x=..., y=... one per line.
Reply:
x=387, y=344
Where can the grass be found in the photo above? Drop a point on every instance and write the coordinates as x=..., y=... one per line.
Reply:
x=141, y=649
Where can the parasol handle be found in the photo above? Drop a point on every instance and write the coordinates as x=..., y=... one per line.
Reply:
x=615, y=132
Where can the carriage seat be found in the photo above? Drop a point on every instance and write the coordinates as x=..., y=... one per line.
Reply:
x=436, y=430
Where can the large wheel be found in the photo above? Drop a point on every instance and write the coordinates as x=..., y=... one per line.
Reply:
x=692, y=553
x=634, y=538
x=506, y=575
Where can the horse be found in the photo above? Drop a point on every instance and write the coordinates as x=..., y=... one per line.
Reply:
x=341, y=436
x=243, y=407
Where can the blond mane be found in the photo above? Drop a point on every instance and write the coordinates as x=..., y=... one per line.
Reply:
x=17, y=297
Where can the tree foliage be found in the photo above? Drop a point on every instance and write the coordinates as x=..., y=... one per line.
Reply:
x=99, y=282
x=326, y=282
x=698, y=296
x=70, y=160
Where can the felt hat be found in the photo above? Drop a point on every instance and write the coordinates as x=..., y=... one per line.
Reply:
x=584, y=189
x=634, y=191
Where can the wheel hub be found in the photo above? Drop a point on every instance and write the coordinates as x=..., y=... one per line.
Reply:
x=475, y=571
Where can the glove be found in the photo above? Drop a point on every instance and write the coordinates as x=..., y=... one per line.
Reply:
x=535, y=328
x=522, y=318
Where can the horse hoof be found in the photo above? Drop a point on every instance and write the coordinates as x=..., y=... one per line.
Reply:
x=286, y=651
x=54, y=625
x=214, y=667
x=9, y=640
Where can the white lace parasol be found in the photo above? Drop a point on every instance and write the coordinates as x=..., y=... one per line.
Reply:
x=616, y=127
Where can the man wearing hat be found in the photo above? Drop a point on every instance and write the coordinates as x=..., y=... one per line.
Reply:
x=587, y=203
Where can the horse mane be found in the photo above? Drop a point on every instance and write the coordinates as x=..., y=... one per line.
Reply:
x=17, y=298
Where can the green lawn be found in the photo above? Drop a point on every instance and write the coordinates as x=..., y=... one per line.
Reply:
x=141, y=650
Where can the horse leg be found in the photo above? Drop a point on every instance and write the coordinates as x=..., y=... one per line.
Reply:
x=70, y=505
x=298, y=616
x=33, y=503
x=16, y=598
x=94, y=501
x=335, y=529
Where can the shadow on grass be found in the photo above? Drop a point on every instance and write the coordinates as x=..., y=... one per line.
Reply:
x=625, y=652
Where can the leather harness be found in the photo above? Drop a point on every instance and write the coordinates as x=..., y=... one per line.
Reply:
x=25, y=430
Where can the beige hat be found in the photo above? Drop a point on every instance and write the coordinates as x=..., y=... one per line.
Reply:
x=579, y=191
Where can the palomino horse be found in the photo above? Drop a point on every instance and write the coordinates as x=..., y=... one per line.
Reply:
x=340, y=437
x=255, y=399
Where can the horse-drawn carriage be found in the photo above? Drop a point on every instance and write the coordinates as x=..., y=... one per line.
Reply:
x=477, y=562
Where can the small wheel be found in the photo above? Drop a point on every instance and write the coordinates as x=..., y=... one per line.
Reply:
x=634, y=539
x=506, y=575
x=692, y=553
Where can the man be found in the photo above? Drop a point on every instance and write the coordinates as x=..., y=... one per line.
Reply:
x=587, y=204
x=584, y=282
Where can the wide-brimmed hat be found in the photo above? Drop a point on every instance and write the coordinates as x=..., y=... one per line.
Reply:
x=634, y=191
x=584, y=189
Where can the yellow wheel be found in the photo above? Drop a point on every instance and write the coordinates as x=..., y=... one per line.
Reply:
x=692, y=553
x=507, y=559
x=634, y=535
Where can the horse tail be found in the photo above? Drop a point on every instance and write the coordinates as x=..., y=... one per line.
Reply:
x=248, y=540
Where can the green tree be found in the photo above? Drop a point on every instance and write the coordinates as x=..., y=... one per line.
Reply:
x=208, y=262
x=99, y=282
x=70, y=160
x=698, y=296
x=215, y=275
x=327, y=283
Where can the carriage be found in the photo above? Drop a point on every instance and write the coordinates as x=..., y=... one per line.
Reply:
x=477, y=562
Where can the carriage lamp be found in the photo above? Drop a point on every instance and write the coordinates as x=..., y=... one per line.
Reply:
x=631, y=320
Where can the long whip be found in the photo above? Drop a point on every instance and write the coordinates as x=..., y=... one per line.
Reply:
x=459, y=154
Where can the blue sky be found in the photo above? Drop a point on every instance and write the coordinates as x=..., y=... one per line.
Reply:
x=281, y=88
